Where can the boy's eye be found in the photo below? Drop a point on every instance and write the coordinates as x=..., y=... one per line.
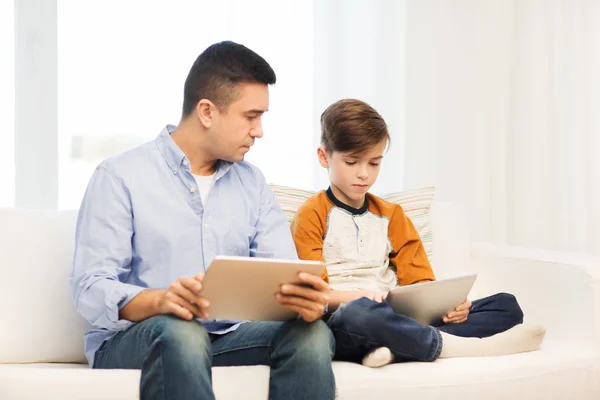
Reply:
x=374, y=164
x=350, y=162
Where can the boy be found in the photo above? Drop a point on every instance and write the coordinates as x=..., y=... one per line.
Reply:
x=369, y=246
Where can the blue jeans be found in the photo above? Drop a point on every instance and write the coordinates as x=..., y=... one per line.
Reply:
x=176, y=356
x=363, y=325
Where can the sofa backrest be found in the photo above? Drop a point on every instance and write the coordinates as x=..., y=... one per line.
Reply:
x=40, y=320
x=451, y=243
x=36, y=250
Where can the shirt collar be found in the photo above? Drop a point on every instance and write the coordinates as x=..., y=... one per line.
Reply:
x=176, y=159
x=354, y=211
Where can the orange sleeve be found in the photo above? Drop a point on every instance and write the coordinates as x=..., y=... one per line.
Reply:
x=308, y=230
x=408, y=254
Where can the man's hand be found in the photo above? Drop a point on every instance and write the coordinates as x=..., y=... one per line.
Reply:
x=308, y=301
x=181, y=299
x=459, y=314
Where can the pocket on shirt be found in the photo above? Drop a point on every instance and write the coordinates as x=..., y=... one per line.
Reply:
x=239, y=240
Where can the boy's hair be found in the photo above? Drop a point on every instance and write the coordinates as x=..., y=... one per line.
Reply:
x=352, y=126
x=218, y=70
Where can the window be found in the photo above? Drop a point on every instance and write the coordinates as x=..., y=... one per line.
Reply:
x=7, y=104
x=122, y=66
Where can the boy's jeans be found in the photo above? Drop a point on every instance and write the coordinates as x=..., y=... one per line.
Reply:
x=363, y=325
x=176, y=356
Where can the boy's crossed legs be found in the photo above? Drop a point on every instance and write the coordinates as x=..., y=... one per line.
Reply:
x=373, y=333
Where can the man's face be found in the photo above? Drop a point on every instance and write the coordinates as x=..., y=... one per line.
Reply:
x=234, y=129
x=351, y=176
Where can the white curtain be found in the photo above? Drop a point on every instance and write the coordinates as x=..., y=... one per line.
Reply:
x=359, y=53
x=503, y=115
x=122, y=65
x=495, y=102
x=7, y=104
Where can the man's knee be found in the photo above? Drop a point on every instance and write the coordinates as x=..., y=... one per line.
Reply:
x=187, y=341
x=313, y=341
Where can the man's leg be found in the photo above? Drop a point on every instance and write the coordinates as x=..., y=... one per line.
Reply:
x=488, y=316
x=298, y=353
x=363, y=325
x=174, y=356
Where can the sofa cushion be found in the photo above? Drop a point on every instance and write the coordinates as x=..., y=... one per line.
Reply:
x=560, y=370
x=40, y=320
x=416, y=204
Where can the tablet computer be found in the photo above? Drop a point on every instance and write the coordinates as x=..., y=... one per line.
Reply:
x=244, y=288
x=428, y=302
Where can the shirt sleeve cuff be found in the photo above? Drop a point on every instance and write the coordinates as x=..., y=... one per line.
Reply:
x=121, y=295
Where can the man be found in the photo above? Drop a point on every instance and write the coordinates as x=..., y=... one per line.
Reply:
x=150, y=223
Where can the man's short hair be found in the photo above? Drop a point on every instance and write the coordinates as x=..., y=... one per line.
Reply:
x=218, y=70
x=352, y=126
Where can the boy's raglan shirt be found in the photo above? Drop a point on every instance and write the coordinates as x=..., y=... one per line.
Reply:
x=374, y=248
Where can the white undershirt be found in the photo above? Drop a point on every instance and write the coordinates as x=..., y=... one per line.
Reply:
x=205, y=184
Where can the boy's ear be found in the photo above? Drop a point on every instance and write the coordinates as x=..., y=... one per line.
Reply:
x=322, y=154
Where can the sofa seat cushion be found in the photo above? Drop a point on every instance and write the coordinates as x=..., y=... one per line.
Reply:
x=560, y=370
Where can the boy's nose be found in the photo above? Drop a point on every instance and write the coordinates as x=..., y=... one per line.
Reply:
x=362, y=173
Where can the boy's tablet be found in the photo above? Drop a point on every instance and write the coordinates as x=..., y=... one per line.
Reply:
x=428, y=302
x=244, y=288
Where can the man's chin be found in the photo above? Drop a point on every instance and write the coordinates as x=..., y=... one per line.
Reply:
x=234, y=159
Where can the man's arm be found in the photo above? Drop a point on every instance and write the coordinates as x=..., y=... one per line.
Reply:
x=103, y=252
x=179, y=299
x=102, y=262
x=272, y=239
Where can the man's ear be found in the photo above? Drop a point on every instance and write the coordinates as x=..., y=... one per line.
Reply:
x=322, y=154
x=205, y=112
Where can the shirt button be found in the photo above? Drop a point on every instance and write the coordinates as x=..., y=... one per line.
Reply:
x=185, y=162
x=206, y=226
x=175, y=170
x=192, y=189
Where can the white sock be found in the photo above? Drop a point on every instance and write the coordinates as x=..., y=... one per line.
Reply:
x=520, y=338
x=378, y=358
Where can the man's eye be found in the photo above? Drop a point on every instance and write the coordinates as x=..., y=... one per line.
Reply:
x=251, y=117
x=374, y=164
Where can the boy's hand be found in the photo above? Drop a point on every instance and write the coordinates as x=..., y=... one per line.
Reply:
x=459, y=314
x=308, y=301
x=376, y=296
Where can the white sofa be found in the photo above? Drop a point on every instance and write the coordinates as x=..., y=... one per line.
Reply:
x=41, y=348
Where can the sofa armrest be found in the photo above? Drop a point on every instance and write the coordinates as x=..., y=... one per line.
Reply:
x=558, y=290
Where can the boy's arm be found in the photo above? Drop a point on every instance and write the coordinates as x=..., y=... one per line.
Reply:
x=408, y=254
x=307, y=232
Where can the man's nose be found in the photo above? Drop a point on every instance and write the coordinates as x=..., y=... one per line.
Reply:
x=257, y=131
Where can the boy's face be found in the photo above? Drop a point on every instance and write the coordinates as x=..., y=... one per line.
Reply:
x=351, y=176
